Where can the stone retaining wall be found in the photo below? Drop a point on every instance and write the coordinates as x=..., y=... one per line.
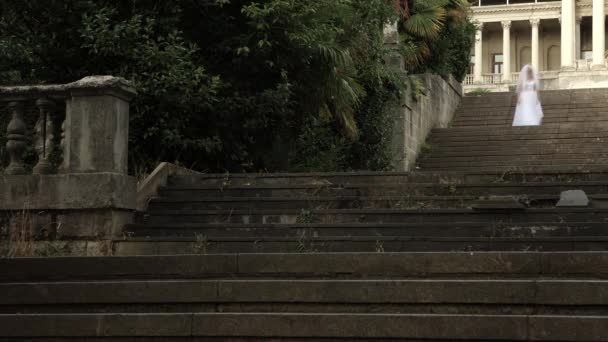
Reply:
x=415, y=118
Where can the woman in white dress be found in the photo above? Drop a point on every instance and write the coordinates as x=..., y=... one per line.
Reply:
x=529, y=111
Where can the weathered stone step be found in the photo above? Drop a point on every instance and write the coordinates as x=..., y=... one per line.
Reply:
x=515, y=158
x=175, y=245
x=461, y=296
x=549, y=111
x=298, y=325
x=587, y=265
x=549, y=174
x=447, y=149
x=464, y=165
x=441, y=229
x=376, y=216
x=590, y=127
x=347, y=202
x=505, y=168
x=516, y=142
x=506, y=123
x=565, y=138
x=550, y=117
x=353, y=202
x=446, y=187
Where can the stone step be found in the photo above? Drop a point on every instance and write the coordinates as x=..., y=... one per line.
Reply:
x=549, y=174
x=376, y=216
x=514, y=158
x=508, y=121
x=532, y=148
x=412, y=230
x=503, y=168
x=550, y=117
x=319, y=179
x=590, y=127
x=201, y=244
x=298, y=325
x=573, y=110
x=511, y=164
x=531, y=141
x=598, y=200
x=445, y=187
x=453, y=296
x=347, y=202
x=530, y=138
x=573, y=265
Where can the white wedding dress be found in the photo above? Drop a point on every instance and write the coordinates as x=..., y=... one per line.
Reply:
x=529, y=111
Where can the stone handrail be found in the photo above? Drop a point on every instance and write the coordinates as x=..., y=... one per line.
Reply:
x=94, y=133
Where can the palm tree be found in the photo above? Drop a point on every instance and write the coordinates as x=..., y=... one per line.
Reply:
x=421, y=24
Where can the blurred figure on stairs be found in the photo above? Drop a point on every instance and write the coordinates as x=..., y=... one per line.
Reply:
x=529, y=111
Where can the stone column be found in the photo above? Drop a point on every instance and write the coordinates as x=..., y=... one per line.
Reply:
x=478, y=54
x=535, y=45
x=577, y=55
x=506, y=50
x=568, y=33
x=599, y=34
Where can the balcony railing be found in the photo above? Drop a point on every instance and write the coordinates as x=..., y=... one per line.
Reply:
x=483, y=3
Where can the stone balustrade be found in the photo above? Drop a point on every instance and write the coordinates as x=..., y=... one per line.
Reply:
x=78, y=186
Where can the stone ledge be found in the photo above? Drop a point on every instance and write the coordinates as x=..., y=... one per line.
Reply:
x=100, y=84
x=67, y=191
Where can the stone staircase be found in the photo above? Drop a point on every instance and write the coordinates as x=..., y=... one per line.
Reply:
x=470, y=246
x=573, y=134
x=486, y=296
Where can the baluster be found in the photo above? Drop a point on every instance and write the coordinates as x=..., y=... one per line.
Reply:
x=44, y=136
x=62, y=167
x=16, y=142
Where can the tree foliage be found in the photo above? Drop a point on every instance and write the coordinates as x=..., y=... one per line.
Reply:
x=437, y=36
x=239, y=85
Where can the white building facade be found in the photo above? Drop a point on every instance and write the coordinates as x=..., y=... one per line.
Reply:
x=564, y=40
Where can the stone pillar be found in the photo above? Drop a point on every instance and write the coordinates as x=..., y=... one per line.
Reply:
x=567, y=34
x=478, y=54
x=535, y=23
x=506, y=50
x=599, y=35
x=577, y=55
x=96, y=126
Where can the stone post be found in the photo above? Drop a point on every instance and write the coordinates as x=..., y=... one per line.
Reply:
x=599, y=35
x=567, y=34
x=535, y=45
x=478, y=54
x=506, y=50
x=97, y=126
